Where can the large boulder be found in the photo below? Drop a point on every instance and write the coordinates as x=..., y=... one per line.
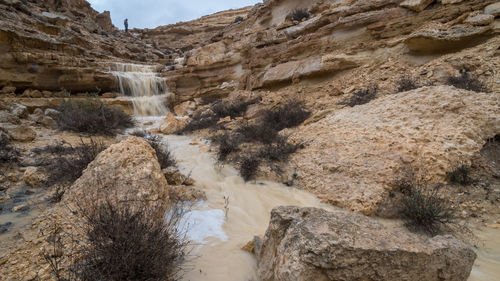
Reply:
x=353, y=155
x=125, y=172
x=309, y=244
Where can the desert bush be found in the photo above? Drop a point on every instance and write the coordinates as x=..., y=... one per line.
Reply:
x=118, y=241
x=424, y=211
x=406, y=83
x=361, y=96
x=299, y=15
x=8, y=153
x=289, y=115
x=468, y=82
x=249, y=166
x=200, y=121
x=261, y=132
x=279, y=151
x=69, y=161
x=460, y=175
x=227, y=144
x=125, y=243
x=92, y=116
x=230, y=108
x=165, y=157
x=238, y=19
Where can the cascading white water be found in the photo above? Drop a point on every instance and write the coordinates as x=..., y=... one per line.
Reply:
x=141, y=84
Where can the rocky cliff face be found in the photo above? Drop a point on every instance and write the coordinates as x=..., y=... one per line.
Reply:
x=268, y=50
x=50, y=45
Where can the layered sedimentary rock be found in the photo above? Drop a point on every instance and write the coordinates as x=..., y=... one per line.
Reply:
x=51, y=45
x=268, y=50
x=353, y=156
x=308, y=244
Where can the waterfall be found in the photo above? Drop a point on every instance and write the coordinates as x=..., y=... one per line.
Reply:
x=141, y=84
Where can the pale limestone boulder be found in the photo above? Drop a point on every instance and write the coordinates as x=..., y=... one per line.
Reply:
x=125, y=172
x=20, y=132
x=171, y=124
x=353, y=155
x=19, y=110
x=310, y=244
x=416, y=5
x=445, y=2
x=479, y=19
x=185, y=108
x=7, y=117
x=493, y=9
x=34, y=177
x=52, y=113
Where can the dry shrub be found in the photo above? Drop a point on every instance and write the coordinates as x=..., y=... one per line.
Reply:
x=299, y=15
x=227, y=144
x=68, y=162
x=131, y=244
x=460, y=175
x=361, y=96
x=423, y=210
x=468, y=82
x=290, y=115
x=119, y=241
x=406, y=83
x=422, y=207
x=249, y=166
x=279, y=151
x=165, y=157
x=92, y=116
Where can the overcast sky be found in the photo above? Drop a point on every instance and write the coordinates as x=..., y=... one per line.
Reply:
x=153, y=13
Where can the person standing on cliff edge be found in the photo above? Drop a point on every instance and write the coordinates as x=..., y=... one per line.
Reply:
x=126, y=25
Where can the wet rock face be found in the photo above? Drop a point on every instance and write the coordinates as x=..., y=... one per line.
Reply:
x=125, y=172
x=309, y=244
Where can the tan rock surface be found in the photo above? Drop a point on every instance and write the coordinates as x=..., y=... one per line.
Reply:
x=172, y=124
x=353, y=155
x=308, y=244
x=126, y=171
x=416, y=5
x=19, y=132
x=34, y=177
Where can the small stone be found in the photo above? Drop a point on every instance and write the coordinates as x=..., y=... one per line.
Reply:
x=8, y=90
x=249, y=247
x=52, y=113
x=35, y=94
x=416, y=5
x=20, y=208
x=47, y=94
x=479, y=19
x=19, y=110
x=34, y=177
x=493, y=9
